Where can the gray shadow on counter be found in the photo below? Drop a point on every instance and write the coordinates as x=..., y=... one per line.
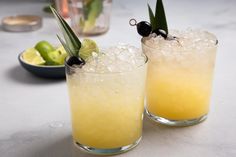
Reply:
x=158, y=135
x=40, y=143
x=62, y=148
x=29, y=144
x=20, y=75
x=152, y=128
x=57, y=142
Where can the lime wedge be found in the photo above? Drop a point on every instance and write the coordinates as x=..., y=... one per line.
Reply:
x=58, y=56
x=32, y=56
x=44, y=48
x=88, y=46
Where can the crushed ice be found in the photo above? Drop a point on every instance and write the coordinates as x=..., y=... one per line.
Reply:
x=119, y=58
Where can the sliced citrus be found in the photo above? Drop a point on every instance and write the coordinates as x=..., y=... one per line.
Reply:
x=58, y=56
x=32, y=56
x=88, y=46
x=44, y=48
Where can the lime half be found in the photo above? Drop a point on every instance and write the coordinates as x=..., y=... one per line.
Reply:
x=32, y=56
x=58, y=56
x=88, y=47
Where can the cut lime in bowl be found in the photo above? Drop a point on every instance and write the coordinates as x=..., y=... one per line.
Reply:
x=37, y=68
x=46, y=60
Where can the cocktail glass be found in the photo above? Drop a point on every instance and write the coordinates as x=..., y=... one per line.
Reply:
x=107, y=108
x=179, y=78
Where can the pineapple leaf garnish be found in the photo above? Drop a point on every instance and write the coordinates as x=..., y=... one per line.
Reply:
x=72, y=43
x=65, y=46
x=152, y=18
x=159, y=20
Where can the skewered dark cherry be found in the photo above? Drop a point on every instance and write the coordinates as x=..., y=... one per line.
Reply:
x=73, y=60
x=144, y=28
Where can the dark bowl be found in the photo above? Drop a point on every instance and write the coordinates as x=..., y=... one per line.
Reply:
x=46, y=71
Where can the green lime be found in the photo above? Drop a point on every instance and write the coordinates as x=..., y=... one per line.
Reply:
x=58, y=56
x=44, y=48
x=32, y=56
x=88, y=46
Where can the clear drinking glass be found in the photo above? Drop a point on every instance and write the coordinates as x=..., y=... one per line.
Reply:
x=179, y=77
x=106, y=108
x=62, y=7
x=90, y=17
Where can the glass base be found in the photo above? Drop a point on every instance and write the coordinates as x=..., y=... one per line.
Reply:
x=112, y=151
x=169, y=122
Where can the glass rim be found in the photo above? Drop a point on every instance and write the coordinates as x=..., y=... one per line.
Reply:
x=109, y=73
x=213, y=35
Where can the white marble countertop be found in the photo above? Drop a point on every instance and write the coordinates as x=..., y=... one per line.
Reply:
x=34, y=112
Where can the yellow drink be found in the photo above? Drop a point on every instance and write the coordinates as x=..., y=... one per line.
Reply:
x=180, y=78
x=107, y=108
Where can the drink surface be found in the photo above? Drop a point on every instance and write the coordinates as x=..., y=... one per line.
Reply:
x=107, y=98
x=180, y=74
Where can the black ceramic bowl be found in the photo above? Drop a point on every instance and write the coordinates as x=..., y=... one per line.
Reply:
x=46, y=71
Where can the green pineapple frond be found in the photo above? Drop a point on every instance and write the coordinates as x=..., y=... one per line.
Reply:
x=72, y=43
x=158, y=21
